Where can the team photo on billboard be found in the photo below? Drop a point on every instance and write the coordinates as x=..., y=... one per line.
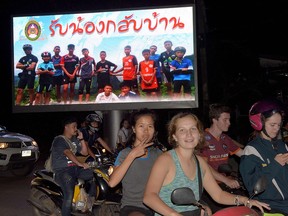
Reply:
x=105, y=60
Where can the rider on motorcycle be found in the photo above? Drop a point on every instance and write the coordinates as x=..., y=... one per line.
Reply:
x=267, y=155
x=66, y=167
x=91, y=134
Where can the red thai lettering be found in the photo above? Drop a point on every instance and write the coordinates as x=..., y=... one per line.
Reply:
x=128, y=23
x=177, y=23
x=76, y=29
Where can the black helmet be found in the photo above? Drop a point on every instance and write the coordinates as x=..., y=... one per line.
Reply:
x=27, y=46
x=180, y=48
x=264, y=109
x=46, y=54
x=93, y=118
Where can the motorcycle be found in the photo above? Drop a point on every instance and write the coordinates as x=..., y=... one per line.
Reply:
x=46, y=195
x=185, y=196
x=227, y=170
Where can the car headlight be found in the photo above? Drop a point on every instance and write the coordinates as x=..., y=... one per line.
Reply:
x=34, y=143
x=3, y=145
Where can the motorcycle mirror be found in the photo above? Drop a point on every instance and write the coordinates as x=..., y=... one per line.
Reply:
x=183, y=196
x=225, y=168
x=260, y=185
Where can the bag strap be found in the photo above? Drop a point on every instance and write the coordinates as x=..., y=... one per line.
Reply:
x=199, y=176
x=68, y=141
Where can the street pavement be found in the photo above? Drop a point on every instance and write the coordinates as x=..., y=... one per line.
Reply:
x=15, y=192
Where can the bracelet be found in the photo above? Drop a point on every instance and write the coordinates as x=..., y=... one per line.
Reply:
x=248, y=204
x=237, y=200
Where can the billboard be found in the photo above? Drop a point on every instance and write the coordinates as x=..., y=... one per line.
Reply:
x=140, y=29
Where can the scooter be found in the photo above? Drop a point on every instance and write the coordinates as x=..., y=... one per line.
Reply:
x=46, y=195
x=185, y=196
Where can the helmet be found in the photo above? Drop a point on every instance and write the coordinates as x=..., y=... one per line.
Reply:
x=263, y=109
x=180, y=48
x=46, y=54
x=93, y=118
x=27, y=46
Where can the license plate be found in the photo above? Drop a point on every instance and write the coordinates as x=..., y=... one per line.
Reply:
x=26, y=153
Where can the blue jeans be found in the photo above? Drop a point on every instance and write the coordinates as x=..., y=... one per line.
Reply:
x=67, y=178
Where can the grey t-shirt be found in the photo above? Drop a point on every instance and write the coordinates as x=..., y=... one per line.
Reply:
x=135, y=179
x=59, y=160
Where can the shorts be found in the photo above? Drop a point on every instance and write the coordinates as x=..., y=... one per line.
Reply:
x=169, y=76
x=150, y=90
x=26, y=80
x=133, y=84
x=57, y=80
x=66, y=80
x=86, y=82
x=41, y=87
x=186, y=86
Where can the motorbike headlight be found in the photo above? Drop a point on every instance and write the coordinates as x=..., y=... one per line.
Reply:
x=34, y=143
x=103, y=150
x=110, y=170
x=3, y=145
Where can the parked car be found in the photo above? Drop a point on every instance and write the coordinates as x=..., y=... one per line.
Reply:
x=18, y=152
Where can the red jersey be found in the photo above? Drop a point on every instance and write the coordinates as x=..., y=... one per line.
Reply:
x=218, y=150
x=147, y=71
x=129, y=63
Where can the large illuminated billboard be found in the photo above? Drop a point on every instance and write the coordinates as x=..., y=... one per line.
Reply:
x=109, y=31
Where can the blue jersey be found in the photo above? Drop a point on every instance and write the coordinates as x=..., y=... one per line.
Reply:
x=46, y=78
x=156, y=58
x=58, y=69
x=185, y=63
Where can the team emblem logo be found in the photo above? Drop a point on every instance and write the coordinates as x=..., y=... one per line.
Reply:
x=211, y=147
x=32, y=30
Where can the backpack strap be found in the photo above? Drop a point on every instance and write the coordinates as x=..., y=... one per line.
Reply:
x=199, y=176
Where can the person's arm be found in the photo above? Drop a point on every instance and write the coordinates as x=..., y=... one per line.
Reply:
x=156, y=179
x=31, y=66
x=90, y=152
x=120, y=170
x=68, y=153
x=104, y=144
x=252, y=167
x=77, y=67
x=62, y=64
x=238, y=144
x=19, y=65
x=117, y=71
x=223, y=197
x=154, y=74
x=114, y=68
x=232, y=183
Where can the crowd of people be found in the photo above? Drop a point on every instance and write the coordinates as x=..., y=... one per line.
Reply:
x=148, y=175
x=138, y=79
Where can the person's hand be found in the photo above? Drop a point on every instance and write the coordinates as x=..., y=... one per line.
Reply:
x=257, y=204
x=84, y=165
x=232, y=183
x=141, y=148
x=80, y=135
x=206, y=211
x=282, y=159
